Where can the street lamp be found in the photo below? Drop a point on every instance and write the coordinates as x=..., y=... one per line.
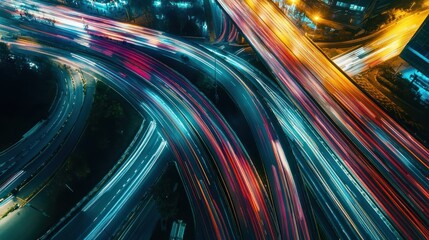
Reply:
x=316, y=21
x=316, y=18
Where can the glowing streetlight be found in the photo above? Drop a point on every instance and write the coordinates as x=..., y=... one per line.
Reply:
x=316, y=18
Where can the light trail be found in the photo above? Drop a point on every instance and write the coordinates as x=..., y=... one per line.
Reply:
x=386, y=45
x=155, y=40
x=246, y=172
x=299, y=65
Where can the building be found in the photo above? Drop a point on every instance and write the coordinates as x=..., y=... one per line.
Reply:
x=416, y=52
x=352, y=14
x=177, y=230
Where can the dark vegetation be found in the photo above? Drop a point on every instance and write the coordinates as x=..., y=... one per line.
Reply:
x=407, y=98
x=172, y=203
x=26, y=93
x=400, y=86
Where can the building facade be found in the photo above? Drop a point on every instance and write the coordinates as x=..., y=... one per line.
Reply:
x=416, y=53
x=353, y=14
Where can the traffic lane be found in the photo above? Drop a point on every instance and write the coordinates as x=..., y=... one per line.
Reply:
x=397, y=153
x=278, y=67
x=312, y=147
x=370, y=38
x=181, y=141
x=270, y=145
x=31, y=140
x=144, y=221
x=57, y=156
x=139, y=66
x=385, y=45
x=44, y=140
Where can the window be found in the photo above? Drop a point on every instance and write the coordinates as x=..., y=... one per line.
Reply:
x=342, y=4
x=356, y=7
x=327, y=2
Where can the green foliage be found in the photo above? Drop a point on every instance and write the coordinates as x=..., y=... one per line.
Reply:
x=167, y=200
